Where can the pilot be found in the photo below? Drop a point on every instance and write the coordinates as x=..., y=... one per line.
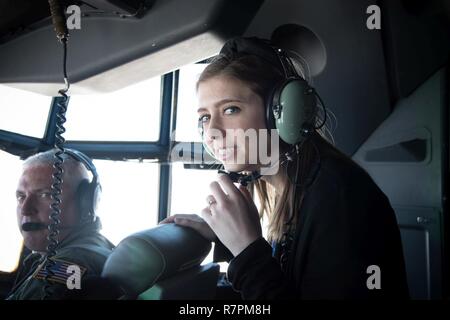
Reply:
x=81, y=250
x=332, y=233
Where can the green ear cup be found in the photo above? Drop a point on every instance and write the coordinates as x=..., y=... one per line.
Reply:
x=295, y=111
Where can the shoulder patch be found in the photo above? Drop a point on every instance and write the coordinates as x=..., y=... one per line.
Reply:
x=59, y=270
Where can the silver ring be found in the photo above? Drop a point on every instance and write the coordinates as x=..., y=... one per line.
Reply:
x=211, y=201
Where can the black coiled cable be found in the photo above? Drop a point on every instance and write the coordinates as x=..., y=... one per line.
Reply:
x=53, y=230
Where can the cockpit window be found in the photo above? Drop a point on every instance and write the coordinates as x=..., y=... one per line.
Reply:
x=129, y=114
x=23, y=112
x=186, y=111
x=10, y=237
x=129, y=199
x=189, y=187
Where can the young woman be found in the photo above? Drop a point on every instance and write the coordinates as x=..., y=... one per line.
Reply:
x=332, y=233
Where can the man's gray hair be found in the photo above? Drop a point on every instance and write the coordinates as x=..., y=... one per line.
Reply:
x=72, y=167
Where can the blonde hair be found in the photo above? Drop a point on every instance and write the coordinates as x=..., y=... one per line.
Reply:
x=282, y=206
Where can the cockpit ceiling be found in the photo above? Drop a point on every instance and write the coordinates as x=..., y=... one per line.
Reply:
x=112, y=50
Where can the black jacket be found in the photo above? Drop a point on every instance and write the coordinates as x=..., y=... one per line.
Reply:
x=346, y=224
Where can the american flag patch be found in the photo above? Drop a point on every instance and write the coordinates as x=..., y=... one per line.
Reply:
x=59, y=269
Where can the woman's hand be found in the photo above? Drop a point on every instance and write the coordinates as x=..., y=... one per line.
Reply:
x=192, y=221
x=232, y=215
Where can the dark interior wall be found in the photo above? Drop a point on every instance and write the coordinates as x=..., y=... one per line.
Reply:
x=418, y=41
x=407, y=155
x=353, y=83
x=366, y=71
x=17, y=15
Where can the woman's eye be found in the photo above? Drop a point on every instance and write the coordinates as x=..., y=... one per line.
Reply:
x=203, y=118
x=231, y=110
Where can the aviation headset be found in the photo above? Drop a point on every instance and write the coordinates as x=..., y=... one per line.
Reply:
x=88, y=192
x=292, y=105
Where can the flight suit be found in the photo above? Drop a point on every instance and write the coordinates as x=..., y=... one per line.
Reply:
x=81, y=254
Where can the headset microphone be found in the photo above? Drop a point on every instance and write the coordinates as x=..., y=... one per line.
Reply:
x=36, y=226
x=33, y=226
x=242, y=179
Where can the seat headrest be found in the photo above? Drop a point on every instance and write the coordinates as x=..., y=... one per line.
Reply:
x=143, y=258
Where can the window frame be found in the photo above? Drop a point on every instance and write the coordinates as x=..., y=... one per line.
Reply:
x=160, y=150
x=23, y=146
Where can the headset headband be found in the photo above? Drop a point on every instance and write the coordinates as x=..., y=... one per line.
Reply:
x=261, y=48
x=85, y=160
